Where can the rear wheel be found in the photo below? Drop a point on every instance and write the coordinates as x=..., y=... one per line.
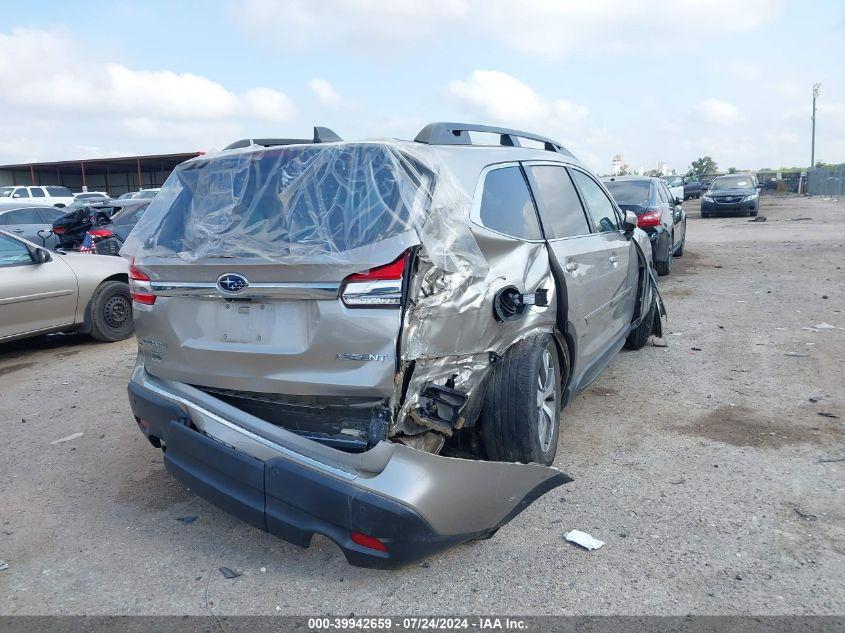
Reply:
x=639, y=335
x=521, y=414
x=111, y=312
x=665, y=267
x=680, y=251
x=108, y=246
x=704, y=214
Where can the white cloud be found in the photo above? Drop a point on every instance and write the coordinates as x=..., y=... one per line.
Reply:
x=505, y=99
x=326, y=94
x=546, y=28
x=56, y=79
x=718, y=112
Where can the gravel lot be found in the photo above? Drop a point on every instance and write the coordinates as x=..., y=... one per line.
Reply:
x=703, y=465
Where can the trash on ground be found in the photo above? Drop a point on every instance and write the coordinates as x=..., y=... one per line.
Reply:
x=73, y=436
x=805, y=515
x=229, y=573
x=797, y=219
x=815, y=398
x=831, y=460
x=759, y=218
x=583, y=539
x=825, y=326
x=795, y=354
x=188, y=519
x=695, y=349
x=3, y=565
x=659, y=342
x=827, y=414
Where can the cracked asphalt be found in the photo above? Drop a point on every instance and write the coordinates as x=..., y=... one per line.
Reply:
x=705, y=467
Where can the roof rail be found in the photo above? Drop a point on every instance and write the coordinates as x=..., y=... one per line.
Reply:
x=321, y=135
x=456, y=134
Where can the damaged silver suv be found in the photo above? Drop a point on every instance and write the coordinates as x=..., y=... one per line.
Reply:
x=373, y=341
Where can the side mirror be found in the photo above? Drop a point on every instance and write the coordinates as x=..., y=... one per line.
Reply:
x=41, y=256
x=630, y=222
x=16, y=195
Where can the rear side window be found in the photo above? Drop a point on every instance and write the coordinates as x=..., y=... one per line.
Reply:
x=598, y=204
x=560, y=207
x=630, y=191
x=37, y=192
x=21, y=193
x=23, y=216
x=50, y=214
x=59, y=192
x=506, y=204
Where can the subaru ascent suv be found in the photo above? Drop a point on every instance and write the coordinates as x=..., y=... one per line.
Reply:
x=374, y=340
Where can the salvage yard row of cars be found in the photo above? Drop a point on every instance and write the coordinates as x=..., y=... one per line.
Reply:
x=372, y=341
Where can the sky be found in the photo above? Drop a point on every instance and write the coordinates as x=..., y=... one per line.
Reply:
x=652, y=81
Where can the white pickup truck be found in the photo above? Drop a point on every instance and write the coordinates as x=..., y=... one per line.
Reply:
x=49, y=195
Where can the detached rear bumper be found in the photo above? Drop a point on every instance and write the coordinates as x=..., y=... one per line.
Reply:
x=414, y=503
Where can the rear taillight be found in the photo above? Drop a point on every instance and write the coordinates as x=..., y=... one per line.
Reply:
x=101, y=233
x=58, y=230
x=649, y=218
x=365, y=540
x=139, y=286
x=379, y=287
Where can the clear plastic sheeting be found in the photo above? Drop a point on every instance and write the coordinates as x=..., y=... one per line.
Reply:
x=332, y=203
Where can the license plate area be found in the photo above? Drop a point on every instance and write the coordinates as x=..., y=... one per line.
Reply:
x=246, y=322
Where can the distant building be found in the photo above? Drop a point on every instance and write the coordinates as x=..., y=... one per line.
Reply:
x=662, y=168
x=617, y=166
x=114, y=176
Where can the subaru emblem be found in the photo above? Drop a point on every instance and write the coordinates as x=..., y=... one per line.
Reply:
x=232, y=283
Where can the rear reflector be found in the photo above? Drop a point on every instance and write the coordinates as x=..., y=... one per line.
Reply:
x=100, y=232
x=365, y=540
x=58, y=230
x=376, y=287
x=139, y=286
x=649, y=218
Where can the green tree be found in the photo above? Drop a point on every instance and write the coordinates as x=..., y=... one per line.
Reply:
x=702, y=166
x=732, y=170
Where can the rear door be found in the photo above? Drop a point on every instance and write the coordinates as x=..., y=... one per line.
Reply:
x=24, y=222
x=618, y=267
x=579, y=258
x=33, y=296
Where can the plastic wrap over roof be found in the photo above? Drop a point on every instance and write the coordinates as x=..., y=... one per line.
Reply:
x=330, y=203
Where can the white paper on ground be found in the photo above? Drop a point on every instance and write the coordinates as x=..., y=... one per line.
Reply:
x=583, y=539
x=67, y=439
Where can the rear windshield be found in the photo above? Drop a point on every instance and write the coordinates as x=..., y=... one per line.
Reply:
x=296, y=200
x=629, y=191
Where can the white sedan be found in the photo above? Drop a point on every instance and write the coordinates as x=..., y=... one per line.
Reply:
x=45, y=291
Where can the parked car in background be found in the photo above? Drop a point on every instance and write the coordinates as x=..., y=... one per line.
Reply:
x=43, y=291
x=675, y=185
x=146, y=194
x=78, y=218
x=108, y=238
x=736, y=193
x=47, y=195
x=659, y=214
x=126, y=196
x=91, y=196
x=692, y=187
x=27, y=221
x=485, y=285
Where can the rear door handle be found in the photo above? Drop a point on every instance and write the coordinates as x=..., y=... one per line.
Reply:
x=571, y=266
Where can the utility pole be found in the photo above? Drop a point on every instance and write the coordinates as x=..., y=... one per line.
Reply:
x=813, y=142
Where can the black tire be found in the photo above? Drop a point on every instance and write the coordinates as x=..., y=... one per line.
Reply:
x=514, y=417
x=110, y=312
x=680, y=251
x=665, y=267
x=108, y=246
x=638, y=336
x=752, y=214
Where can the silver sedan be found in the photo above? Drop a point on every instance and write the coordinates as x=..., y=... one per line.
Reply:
x=44, y=291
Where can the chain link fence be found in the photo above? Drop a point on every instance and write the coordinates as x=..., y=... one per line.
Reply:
x=826, y=181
